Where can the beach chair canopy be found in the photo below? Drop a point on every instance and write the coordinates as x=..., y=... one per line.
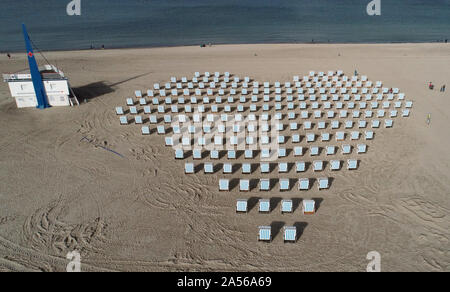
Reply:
x=323, y=183
x=189, y=168
x=123, y=120
x=318, y=165
x=287, y=206
x=362, y=148
x=224, y=184
x=119, y=110
x=335, y=164
x=346, y=149
x=264, y=233
x=227, y=168
x=331, y=150
x=179, y=154
x=208, y=167
x=244, y=185
x=352, y=164
x=284, y=184
x=264, y=185
x=308, y=206
x=300, y=166
x=265, y=167
x=303, y=184
x=241, y=206
x=290, y=233
x=264, y=205
x=169, y=141
x=246, y=168
x=145, y=130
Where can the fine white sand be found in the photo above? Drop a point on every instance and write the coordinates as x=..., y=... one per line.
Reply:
x=141, y=213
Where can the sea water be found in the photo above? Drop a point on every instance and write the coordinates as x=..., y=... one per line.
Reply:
x=149, y=23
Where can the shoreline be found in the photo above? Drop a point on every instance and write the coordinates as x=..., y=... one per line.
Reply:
x=233, y=44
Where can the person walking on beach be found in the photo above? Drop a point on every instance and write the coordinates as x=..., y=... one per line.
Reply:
x=430, y=86
x=442, y=88
x=9, y=55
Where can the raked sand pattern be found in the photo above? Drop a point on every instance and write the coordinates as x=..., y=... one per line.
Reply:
x=136, y=209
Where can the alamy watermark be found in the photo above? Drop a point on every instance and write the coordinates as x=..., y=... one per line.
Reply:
x=74, y=8
x=228, y=132
x=375, y=261
x=374, y=8
x=75, y=262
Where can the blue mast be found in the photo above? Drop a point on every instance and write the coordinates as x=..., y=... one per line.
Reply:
x=38, y=84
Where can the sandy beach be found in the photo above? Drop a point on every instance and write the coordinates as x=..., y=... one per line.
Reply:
x=140, y=212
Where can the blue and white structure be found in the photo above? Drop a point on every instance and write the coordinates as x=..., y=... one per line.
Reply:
x=41, y=87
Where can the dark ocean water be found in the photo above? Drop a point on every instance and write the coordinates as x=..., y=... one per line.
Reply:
x=139, y=23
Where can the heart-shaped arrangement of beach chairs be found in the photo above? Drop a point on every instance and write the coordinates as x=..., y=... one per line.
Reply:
x=214, y=118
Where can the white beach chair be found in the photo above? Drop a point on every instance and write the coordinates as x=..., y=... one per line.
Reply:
x=318, y=165
x=308, y=207
x=189, y=168
x=361, y=148
x=264, y=205
x=314, y=150
x=287, y=206
x=352, y=164
x=138, y=120
x=179, y=154
x=388, y=123
x=284, y=185
x=264, y=233
x=303, y=184
x=354, y=135
x=123, y=120
x=145, y=130
x=241, y=206
x=119, y=110
x=335, y=165
x=244, y=185
x=323, y=183
x=208, y=168
x=290, y=233
x=346, y=149
x=331, y=150
x=310, y=137
x=340, y=136
x=224, y=185
x=264, y=185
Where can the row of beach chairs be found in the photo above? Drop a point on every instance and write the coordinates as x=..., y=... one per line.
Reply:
x=290, y=234
x=227, y=78
x=251, y=139
x=266, y=153
x=222, y=90
x=224, y=124
x=186, y=141
x=251, y=125
x=265, y=107
x=285, y=184
x=308, y=207
x=283, y=167
x=289, y=100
